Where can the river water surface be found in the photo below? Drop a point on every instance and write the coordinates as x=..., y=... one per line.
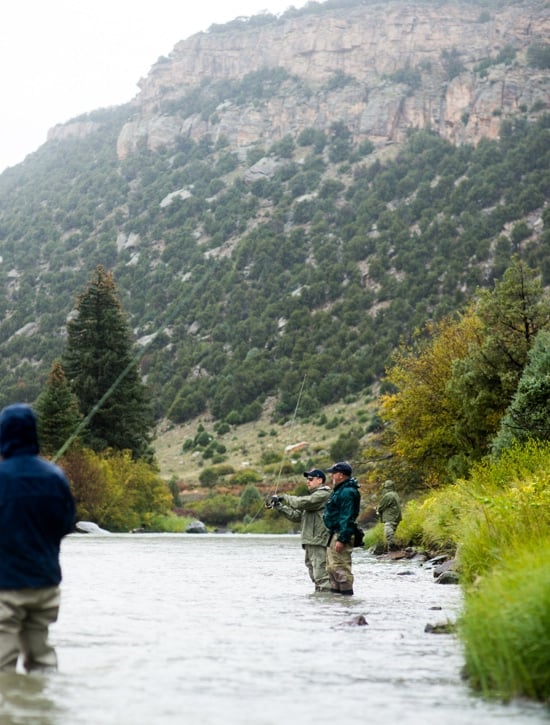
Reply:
x=220, y=628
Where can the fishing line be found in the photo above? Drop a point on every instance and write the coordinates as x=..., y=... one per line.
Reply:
x=135, y=358
x=277, y=480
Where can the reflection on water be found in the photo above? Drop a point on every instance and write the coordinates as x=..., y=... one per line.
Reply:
x=225, y=629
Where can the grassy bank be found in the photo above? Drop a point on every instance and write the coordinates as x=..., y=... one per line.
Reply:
x=498, y=523
x=505, y=626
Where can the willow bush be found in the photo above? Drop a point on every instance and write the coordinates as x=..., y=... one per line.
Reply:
x=115, y=491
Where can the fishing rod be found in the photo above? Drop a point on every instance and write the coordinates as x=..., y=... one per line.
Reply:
x=277, y=480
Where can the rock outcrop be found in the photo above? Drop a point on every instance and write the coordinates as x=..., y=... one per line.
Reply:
x=381, y=68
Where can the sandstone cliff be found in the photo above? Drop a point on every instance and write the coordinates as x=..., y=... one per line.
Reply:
x=468, y=66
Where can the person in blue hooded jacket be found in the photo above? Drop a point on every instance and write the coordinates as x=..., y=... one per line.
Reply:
x=341, y=511
x=36, y=511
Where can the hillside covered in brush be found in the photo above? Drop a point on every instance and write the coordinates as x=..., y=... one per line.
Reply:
x=287, y=196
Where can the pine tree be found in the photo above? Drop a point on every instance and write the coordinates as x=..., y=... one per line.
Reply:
x=529, y=413
x=485, y=381
x=100, y=363
x=57, y=411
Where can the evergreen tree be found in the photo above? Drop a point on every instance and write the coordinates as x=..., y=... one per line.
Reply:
x=485, y=381
x=529, y=413
x=100, y=364
x=57, y=411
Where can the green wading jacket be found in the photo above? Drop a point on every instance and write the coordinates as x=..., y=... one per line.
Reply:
x=309, y=510
x=389, y=508
x=342, y=509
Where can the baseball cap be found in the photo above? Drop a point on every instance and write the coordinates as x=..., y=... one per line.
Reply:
x=315, y=473
x=342, y=467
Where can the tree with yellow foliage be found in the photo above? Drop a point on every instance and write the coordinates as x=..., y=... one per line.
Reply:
x=455, y=383
x=421, y=413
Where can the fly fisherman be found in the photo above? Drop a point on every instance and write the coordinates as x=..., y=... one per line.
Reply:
x=389, y=511
x=341, y=512
x=36, y=511
x=309, y=511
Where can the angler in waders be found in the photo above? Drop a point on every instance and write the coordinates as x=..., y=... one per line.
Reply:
x=341, y=512
x=309, y=511
x=389, y=512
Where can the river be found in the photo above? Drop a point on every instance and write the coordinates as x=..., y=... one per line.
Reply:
x=221, y=628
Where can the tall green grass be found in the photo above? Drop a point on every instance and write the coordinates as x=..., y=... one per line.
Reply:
x=501, y=506
x=374, y=537
x=505, y=626
x=431, y=522
x=498, y=524
x=509, y=505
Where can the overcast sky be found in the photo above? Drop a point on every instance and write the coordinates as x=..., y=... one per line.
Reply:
x=61, y=58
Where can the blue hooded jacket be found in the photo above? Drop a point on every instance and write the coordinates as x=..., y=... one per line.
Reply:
x=36, y=505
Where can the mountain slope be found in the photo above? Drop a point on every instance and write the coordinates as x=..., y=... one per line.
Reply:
x=268, y=213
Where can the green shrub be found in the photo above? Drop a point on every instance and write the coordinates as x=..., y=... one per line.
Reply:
x=217, y=510
x=222, y=428
x=267, y=524
x=115, y=491
x=208, y=476
x=249, y=475
x=270, y=456
x=251, y=501
x=168, y=523
x=211, y=475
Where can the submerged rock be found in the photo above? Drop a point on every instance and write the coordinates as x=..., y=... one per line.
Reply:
x=448, y=577
x=445, y=573
x=358, y=621
x=440, y=628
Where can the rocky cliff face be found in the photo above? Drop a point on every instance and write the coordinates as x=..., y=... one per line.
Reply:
x=453, y=67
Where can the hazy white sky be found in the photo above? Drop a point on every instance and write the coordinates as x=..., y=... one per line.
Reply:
x=61, y=58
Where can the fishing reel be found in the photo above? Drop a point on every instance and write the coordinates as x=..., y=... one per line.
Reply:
x=273, y=502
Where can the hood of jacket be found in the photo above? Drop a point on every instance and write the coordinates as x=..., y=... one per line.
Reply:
x=18, y=431
x=351, y=481
x=388, y=486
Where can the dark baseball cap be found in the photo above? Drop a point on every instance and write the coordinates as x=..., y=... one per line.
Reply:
x=341, y=467
x=315, y=473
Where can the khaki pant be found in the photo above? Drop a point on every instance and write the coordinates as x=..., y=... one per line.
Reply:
x=339, y=566
x=25, y=616
x=316, y=562
x=389, y=532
